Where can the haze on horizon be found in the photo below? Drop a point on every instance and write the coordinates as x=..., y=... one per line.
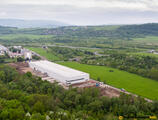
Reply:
x=82, y=12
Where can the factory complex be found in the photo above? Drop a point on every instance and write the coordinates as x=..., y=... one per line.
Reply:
x=65, y=75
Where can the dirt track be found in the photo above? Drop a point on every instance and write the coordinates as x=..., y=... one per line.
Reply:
x=21, y=67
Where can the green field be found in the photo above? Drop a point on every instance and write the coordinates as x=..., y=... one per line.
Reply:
x=9, y=60
x=146, y=54
x=29, y=36
x=133, y=83
x=44, y=53
x=107, y=27
x=148, y=40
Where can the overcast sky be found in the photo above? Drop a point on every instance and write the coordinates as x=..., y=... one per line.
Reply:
x=82, y=12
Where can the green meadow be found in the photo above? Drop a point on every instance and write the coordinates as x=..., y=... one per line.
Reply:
x=29, y=36
x=148, y=40
x=144, y=54
x=44, y=53
x=130, y=82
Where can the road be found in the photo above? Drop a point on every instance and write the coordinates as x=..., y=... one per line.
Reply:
x=126, y=92
x=72, y=47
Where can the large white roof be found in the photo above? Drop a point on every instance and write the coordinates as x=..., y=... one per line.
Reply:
x=59, y=69
x=2, y=47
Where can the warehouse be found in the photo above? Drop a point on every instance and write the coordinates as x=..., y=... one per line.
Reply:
x=61, y=73
x=27, y=55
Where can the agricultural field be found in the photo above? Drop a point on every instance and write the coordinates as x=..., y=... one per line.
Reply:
x=9, y=60
x=25, y=39
x=145, y=54
x=44, y=53
x=29, y=36
x=151, y=40
x=108, y=27
x=92, y=49
x=130, y=82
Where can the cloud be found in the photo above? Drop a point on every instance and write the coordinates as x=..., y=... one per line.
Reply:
x=2, y=14
x=82, y=12
x=124, y=4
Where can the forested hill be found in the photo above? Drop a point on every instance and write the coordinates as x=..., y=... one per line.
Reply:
x=7, y=30
x=111, y=31
x=137, y=30
x=20, y=23
x=107, y=31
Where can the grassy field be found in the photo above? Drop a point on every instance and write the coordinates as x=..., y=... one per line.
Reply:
x=133, y=83
x=149, y=40
x=10, y=60
x=107, y=27
x=44, y=53
x=145, y=54
x=91, y=49
x=29, y=36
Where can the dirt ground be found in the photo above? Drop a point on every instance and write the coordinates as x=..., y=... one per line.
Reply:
x=106, y=90
x=21, y=67
x=109, y=92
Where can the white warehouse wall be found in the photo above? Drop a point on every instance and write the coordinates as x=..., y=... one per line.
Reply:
x=60, y=73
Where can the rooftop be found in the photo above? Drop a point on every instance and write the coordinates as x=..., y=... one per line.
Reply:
x=2, y=47
x=59, y=69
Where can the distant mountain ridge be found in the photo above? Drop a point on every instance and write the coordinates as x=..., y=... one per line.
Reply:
x=31, y=23
x=111, y=31
x=126, y=32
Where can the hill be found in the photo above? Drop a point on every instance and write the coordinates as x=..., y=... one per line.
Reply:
x=30, y=23
x=110, y=31
x=7, y=30
x=113, y=31
x=94, y=36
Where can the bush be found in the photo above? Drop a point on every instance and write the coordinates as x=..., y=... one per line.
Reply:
x=20, y=59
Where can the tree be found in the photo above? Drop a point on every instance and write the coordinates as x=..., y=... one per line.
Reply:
x=38, y=107
x=29, y=74
x=155, y=104
x=4, y=115
x=36, y=57
x=2, y=76
x=154, y=73
x=132, y=111
x=98, y=79
x=20, y=59
x=38, y=116
x=95, y=106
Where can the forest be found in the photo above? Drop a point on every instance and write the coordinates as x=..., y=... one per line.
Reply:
x=24, y=96
x=69, y=53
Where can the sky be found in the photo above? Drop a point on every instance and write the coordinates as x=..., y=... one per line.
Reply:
x=82, y=12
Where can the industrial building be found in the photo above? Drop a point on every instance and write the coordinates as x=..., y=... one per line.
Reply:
x=3, y=50
x=28, y=55
x=60, y=73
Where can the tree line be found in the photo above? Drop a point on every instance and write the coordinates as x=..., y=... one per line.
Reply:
x=69, y=53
